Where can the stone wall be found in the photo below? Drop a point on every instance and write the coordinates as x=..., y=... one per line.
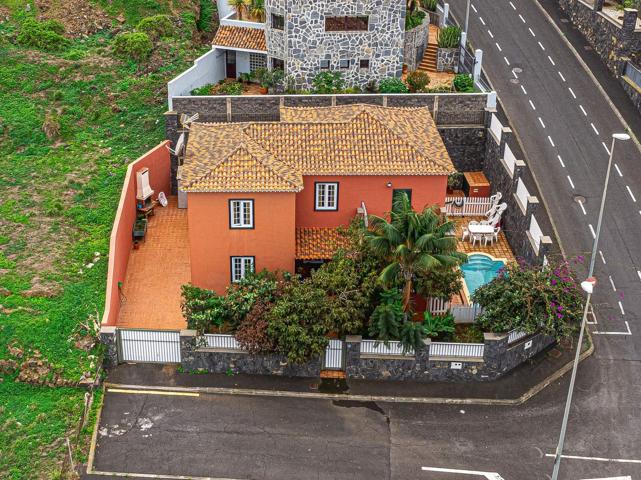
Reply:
x=108, y=339
x=415, y=44
x=466, y=146
x=613, y=42
x=447, y=59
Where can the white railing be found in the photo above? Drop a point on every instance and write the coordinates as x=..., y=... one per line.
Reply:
x=466, y=313
x=438, y=306
x=535, y=233
x=374, y=347
x=515, y=335
x=222, y=342
x=510, y=159
x=462, y=350
x=472, y=206
x=496, y=127
x=521, y=193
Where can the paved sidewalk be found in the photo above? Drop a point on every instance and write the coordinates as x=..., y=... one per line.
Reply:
x=511, y=387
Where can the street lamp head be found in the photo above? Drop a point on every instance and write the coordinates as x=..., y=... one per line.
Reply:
x=621, y=136
x=588, y=285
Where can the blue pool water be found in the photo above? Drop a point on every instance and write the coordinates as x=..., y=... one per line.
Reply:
x=479, y=270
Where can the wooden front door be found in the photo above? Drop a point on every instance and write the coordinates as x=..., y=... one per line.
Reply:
x=231, y=63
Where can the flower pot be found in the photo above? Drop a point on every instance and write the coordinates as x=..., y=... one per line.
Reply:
x=404, y=68
x=263, y=90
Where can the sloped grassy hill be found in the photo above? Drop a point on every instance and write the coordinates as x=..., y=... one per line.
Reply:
x=73, y=113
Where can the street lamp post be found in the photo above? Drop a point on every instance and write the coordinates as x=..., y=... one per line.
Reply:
x=467, y=16
x=587, y=286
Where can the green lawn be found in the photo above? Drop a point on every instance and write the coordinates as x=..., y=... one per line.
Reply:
x=58, y=196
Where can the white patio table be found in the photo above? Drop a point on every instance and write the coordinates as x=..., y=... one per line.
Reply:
x=482, y=229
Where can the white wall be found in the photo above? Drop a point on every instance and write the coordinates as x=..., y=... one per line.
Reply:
x=209, y=68
x=224, y=8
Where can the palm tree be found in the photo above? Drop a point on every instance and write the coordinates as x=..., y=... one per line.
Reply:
x=240, y=6
x=257, y=10
x=413, y=243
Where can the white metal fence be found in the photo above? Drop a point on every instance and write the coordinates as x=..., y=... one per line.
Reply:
x=466, y=313
x=223, y=342
x=333, y=355
x=633, y=73
x=148, y=346
x=515, y=335
x=373, y=347
x=438, y=306
x=462, y=350
x=471, y=206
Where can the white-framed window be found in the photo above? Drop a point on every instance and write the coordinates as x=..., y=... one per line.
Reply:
x=326, y=196
x=241, y=266
x=241, y=213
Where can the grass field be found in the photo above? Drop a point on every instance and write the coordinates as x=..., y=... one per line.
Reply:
x=70, y=121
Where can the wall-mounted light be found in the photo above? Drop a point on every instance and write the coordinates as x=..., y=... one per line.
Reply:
x=389, y=184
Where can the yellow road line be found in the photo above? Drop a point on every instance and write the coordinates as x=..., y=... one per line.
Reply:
x=153, y=392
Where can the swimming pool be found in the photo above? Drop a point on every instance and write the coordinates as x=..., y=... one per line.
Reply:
x=479, y=270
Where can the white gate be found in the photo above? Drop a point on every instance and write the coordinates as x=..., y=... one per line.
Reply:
x=150, y=346
x=333, y=358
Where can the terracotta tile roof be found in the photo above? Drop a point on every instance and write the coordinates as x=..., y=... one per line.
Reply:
x=318, y=243
x=347, y=140
x=240, y=37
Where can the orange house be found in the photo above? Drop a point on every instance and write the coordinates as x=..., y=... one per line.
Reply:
x=271, y=195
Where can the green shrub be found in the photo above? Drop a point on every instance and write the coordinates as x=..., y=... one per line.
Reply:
x=436, y=325
x=386, y=320
x=417, y=81
x=414, y=19
x=158, y=26
x=45, y=35
x=204, y=90
x=206, y=16
x=449, y=37
x=133, y=45
x=430, y=5
x=392, y=85
x=203, y=309
x=463, y=82
x=328, y=82
x=230, y=88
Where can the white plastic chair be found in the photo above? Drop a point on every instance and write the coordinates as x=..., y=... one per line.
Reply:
x=495, y=235
x=476, y=237
x=465, y=234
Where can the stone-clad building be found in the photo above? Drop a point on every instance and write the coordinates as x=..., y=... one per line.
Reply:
x=363, y=39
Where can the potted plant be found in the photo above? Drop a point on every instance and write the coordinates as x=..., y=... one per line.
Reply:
x=140, y=228
x=454, y=182
x=246, y=77
x=448, y=41
x=263, y=77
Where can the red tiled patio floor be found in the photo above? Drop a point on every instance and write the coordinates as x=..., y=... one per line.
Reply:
x=156, y=272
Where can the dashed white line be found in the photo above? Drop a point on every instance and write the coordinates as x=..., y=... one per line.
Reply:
x=482, y=21
x=583, y=110
x=603, y=260
x=542, y=47
x=561, y=75
x=521, y=17
x=582, y=208
x=606, y=147
x=612, y=283
x=474, y=8
x=514, y=73
x=631, y=194
x=542, y=124
x=499, y=47
x=618, y=171
x=489, y=32
x=621, y=308
x=572, y=185
x=532, y=105
x=594, y=128
x=523, y=88
x=551, y=61
x=572, y=92
x=532, y=32
x=506, y=61
x=551, y=141
x=561, y=160
x=639, y=274
x=592, y=231
x=512, y=5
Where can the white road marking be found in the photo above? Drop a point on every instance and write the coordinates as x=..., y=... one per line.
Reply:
x=621, y=308
x=542, y=47
x=515, y=75
x=551, y=141
x=490, y=34
x=606, y=147
x=521, y=17
x=152, y=392
x=595, y=459
x=631, y=194
x=561, y=160
x=639, y=274
x=482, y=21
x=474, y=8
x=618, y=171
x=582, y=208
x=506, y=61
x=627, y=332
x=551, y=61
x=603, y=259
x=572, y=185
x=572, y=92
x=523, y=88
x=542, y=124
x=627, y=477
x=512, y=5
x=487, y=475
x=612, y=283
x=583, y=110
x=592, y=231
x=532, y=32
x=532, y=105
x=561, y=75
x=594, y=128
x=499, y=47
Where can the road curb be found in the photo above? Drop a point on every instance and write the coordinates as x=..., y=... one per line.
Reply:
x=531, y=392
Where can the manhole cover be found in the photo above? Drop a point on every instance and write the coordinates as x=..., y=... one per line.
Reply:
x=514, y=80
x=579, y=199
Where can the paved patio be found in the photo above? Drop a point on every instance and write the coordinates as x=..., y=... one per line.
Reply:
x=156, y=271
x=500, y=249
